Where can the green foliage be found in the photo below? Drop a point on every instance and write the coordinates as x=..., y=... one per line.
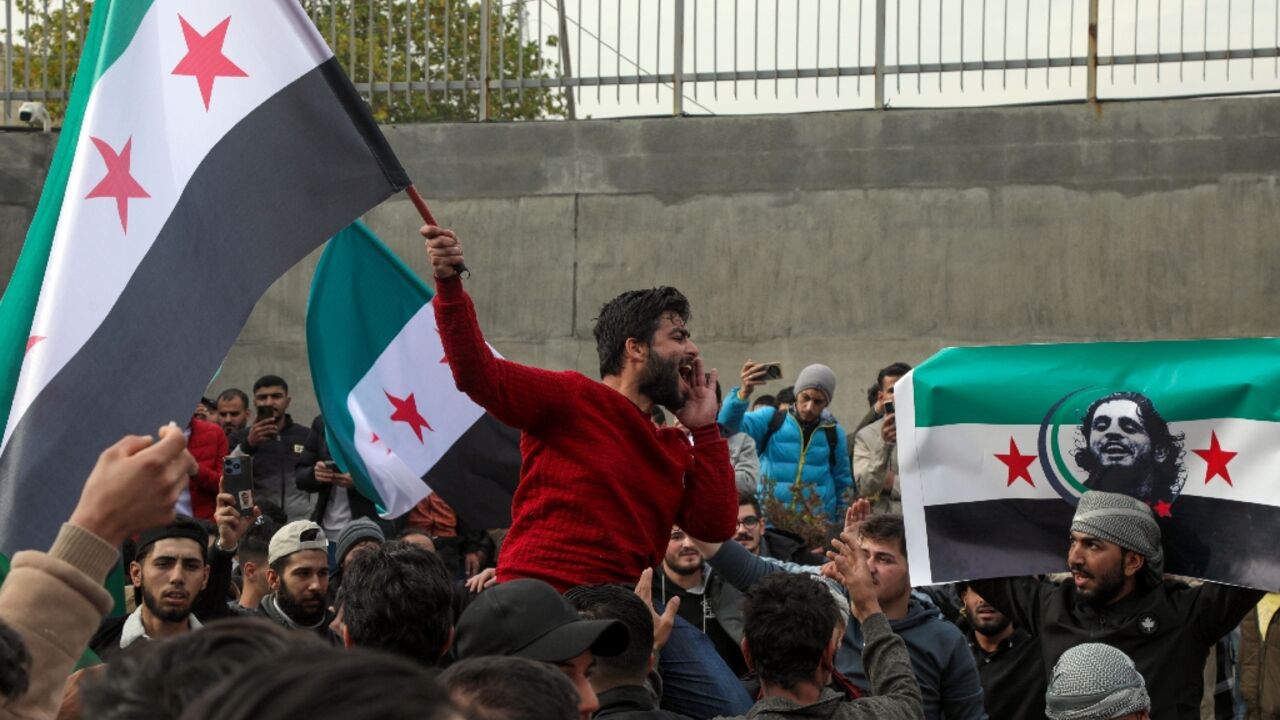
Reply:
x=383, y=42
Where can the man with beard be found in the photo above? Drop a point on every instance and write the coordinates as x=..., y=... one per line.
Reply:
x=1118, y=596
x=298, y=574
x=596, y=473
x=769, y=542
x=803, y=451
x=1128, y=448
x=168, y=571
x=1008, y=660
x=706, y=601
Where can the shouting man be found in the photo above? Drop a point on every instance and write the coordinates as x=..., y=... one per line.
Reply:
x=595, y=472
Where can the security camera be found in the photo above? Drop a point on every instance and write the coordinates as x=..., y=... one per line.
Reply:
x=35, y=114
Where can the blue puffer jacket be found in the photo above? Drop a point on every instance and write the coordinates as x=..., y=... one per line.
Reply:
x=788, y=459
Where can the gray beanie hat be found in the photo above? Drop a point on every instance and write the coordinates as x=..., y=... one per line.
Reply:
x=1095, y=682
x=356, y=531
x=817, y=377
x=1123, y=520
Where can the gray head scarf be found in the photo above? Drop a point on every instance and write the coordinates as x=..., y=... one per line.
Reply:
x=1095, y=682
x=1122, y=520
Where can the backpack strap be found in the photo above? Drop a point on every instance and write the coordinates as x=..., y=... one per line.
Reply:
x=775, y=424
x=833, y=444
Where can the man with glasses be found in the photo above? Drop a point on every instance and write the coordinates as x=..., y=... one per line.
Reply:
x=753, y=535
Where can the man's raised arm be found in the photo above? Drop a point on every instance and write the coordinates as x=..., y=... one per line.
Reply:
x=518, y=395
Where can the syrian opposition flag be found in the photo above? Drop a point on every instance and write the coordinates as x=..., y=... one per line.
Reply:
x=393, y=417
x=208, y=146
x=997, y=444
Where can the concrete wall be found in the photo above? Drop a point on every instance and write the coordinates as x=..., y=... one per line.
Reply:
x=853, y=239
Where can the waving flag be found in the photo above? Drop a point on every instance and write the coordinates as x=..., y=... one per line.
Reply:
x=393, y=416
x=208, y=146
x=996, y=445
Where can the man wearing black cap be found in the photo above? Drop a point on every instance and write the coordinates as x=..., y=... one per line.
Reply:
x=529, y=619
x=169, y=571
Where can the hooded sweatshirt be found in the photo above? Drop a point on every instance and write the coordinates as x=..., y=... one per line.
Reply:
x=938, y=650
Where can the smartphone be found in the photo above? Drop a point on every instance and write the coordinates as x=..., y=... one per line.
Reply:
x=888, y=407
x=265, y=412
x=237, y=479
x=772, y=371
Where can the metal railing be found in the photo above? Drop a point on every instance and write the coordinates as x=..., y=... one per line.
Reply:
x=528, y=59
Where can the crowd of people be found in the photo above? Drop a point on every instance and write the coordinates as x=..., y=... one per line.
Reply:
x=746, y=557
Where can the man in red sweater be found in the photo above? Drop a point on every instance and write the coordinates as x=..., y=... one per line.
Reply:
x=600, y=485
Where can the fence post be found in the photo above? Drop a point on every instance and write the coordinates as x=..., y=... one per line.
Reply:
x=880, y=21
x=8, y=61
x=566, y=68
x=677, y=78
x=484, y=60
x=1093, y=52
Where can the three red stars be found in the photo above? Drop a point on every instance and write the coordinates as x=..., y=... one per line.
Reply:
x=1019, y=465
x=118, y=183
x=1216, y=460
x=407, y=412
x=204, y=59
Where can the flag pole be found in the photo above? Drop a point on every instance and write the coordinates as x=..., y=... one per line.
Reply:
x=428, y=218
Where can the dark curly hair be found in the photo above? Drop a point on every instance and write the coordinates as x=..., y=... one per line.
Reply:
x=634, y=314
x=1168, y=473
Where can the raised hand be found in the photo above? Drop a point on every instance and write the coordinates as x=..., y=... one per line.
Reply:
x=664, y=623
x=444, y=249
x=700, y=406
x=752, y=375
x=850, y=568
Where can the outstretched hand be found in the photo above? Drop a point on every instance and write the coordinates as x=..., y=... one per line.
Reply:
x=664, y=623
x=135, y=485
x=849, y=567
x=444, y=249
x=855, y=515
x=700, y=406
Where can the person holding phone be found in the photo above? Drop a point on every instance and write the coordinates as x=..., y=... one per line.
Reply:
x=276, y=442
x=875, y=449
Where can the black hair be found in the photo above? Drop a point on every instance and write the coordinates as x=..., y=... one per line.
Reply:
x=1169, y=472
x=897, y=369
x=749, y=498
x=873, y=394
x=633, y=314
x=765, y=400
x=787, y=396
x=15, y=663
x=615, y=602
x=234, y=394
x=208, y=403
x=273, y=511
x=883, y=528
x=159, y=680
x=399, y=598
x=789, y=621
x=510, y=688
x=326, y=684
x=658, y=417
x=270, y=381
x=255, y=546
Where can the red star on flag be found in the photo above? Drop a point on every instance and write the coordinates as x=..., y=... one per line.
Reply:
x=1164, y=509
x=375, y=436
x=204, y=59
x=407, y=412
x=31, y=341
x=1019, y=465
x=118, y=183
x=1216, y=460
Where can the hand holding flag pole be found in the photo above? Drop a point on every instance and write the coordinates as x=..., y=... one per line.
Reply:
x=428, y=218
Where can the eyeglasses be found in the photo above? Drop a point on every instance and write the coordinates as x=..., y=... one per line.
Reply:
x=749, y=522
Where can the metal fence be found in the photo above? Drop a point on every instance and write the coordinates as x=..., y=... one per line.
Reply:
x=527, y=59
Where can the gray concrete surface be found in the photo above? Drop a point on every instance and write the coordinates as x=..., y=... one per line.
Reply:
x=853, y=239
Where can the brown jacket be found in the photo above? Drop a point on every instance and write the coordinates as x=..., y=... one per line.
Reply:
x=55, y=601
x=1260, y=667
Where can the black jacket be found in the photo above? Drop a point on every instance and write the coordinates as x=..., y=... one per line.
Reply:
x=314, y=450
x=788, y=547
x=631, y=702
x=273, y=467
x=1167, y=630
x=1013, y=682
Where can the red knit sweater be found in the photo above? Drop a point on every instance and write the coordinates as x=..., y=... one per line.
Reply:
x=208, y=445
x=600, y=485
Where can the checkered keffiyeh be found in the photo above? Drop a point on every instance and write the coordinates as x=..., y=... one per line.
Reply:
x=1095, y=682
x=1122, y=520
